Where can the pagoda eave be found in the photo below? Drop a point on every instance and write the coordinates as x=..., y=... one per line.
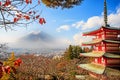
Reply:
x=113, y=66
x=93, y=54
x=110, y=55
x=110, y=29
x=95, y=68
x=98, y=41
x=111, y=41
x=92, y=33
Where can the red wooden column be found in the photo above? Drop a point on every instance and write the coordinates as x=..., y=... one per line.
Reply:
x=105, y=46
x=104, y=34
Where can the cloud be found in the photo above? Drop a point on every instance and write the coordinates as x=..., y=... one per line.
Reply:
x=78, y=24
x=95, y=21
x=69, y=20
x=79, y=39
x=114, y=19
x=63, y=27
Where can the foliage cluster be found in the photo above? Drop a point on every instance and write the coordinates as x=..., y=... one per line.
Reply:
x=38, y=67
x=61, y=3
x=23, y=12
x=8, y=68
x=74, y=51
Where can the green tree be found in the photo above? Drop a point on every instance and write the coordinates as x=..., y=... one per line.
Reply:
x=73, y=52
x=79, y=50
x=70, y=53
x=86, y=49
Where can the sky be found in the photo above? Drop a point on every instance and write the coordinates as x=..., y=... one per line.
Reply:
x=67, y=25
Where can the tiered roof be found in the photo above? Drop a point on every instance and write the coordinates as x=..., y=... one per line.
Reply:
x=99, y=69
x=93, y=33
x=97, y=41
x=100, y=54
x=93, y=54
x=111, y=55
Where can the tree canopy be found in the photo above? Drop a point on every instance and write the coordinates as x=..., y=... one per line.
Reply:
x=23, y=12
x=61, y=3
x=73, y=52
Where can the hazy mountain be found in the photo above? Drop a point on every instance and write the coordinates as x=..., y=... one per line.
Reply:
x=39, y=40
x=37, y=36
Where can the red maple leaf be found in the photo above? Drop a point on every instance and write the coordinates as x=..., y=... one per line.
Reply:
x=27, y=17
x=18, y=62
x=8, y=2
x=42, y=21
x=15, y=19
x=27, y=1
x=7, y=69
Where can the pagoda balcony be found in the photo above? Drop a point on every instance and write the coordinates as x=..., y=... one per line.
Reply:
x=94, y=41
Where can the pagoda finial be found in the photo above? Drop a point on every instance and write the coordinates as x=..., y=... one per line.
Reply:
x=105, y=13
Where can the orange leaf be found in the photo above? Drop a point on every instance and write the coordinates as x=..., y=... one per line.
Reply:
x=16, y=19
x=19, y=15
x=7, y=69
x=8, y=2
x=27, y=17
x=27, y=1
x=18, y=62
x=42, y=21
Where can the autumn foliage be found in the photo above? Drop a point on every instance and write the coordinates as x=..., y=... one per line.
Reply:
x=19, y=12
x=23, y=12
x=8, y=68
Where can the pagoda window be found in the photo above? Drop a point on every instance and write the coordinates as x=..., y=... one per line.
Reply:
x=99, y=48
x=102, y=60
x=103, y=48
x=100, y=36
x=103, y=36
x=118, y=36
x=96, y=48
x=96, y=60
x=97, y=37
x=99, y=60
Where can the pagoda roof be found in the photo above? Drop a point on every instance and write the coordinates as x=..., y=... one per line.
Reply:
x=93, y=54
x=111, y=55
x=99, y=30
x=96, y=68
x=100, y=54
x=112, y=28
x=92, y=42
x=112, y=41
x=100, y=40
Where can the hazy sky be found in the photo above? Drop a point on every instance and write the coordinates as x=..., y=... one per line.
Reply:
x=67, y=25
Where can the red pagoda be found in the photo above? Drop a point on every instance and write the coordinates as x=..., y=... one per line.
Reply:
x=106, y=48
